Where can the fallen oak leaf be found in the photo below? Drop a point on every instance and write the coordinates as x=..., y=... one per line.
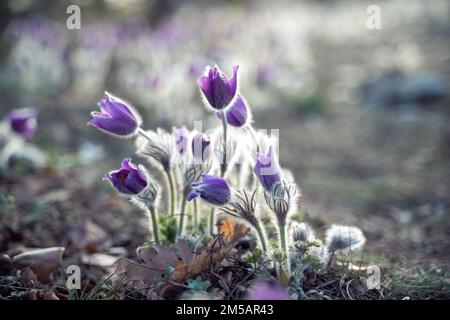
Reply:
x=132, y=272
x=158, y=257
x=42, y=261
x=156, y=260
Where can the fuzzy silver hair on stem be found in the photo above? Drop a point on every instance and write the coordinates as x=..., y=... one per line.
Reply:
x=147, y=200
x=225, y=155
x=344, y=237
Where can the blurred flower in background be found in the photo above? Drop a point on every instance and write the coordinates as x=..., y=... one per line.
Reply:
x=264, y=290
x=23, y=121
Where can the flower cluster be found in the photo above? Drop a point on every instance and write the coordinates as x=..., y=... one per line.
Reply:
x=232, y=170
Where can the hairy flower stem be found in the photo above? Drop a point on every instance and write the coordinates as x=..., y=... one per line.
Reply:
x=254, y=136
x=182, y=215
x=154, y=218
x=223, y=165
x=283, y=247
x=211, y=221
x=171, y=187
x=196, y=227
x=261, y=236
x=223, y=168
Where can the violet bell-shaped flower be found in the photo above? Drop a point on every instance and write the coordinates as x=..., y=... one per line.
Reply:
x=23, y=121
x=238, y=114
x=212, y=189
x=267, y=169
x=217, y=89
x=181, y=136
x=130, y=179
x=116, y=116
x=200, y=147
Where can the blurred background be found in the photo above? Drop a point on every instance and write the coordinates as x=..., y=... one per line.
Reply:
x=364, y=115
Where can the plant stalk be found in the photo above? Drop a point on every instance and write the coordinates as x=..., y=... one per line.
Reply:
x=261, y=236
x=211, y=221
x=196, y=226
x=154, y=218
x=182, y=215
x=171, y=187
x=223, y=165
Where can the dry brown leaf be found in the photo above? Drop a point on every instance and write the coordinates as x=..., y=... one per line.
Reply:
x=226, y=228
x=42, y=261
x=185, y=251
x=133, y=273
x=157, y=257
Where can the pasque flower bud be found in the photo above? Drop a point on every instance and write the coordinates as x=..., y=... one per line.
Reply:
x=218, y=90
x=238, y=114
x=130, y=179
x=212, y=189
x=116, y=116
x=267, y=169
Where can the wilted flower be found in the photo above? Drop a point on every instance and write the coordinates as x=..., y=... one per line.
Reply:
x=212, y=189
x=301, y=232
x=264, y=290
x=343, y=237
x=181, y=136
x=116, y=116
x=238, y=114
x=267, y=169
x=130, y=179
x=218, y=91
x=23, y=121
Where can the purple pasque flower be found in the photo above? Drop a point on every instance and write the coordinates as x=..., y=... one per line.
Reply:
x=130, y=179
x=23, y=121
x=116, y=116
x=212, y=189
x=200, y=146
x=237, y=114
x=267, y=169
x=181, y=136
x=218, y=90
x=264, y=290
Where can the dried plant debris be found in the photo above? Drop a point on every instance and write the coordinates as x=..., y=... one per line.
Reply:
x=177, y=264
